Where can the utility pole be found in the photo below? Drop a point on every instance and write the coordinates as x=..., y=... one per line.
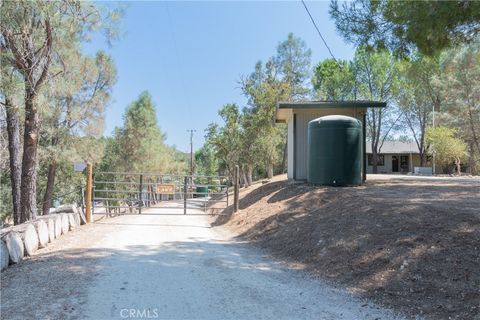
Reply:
x=191, y=150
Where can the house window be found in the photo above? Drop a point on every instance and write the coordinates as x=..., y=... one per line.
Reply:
x=380, y=160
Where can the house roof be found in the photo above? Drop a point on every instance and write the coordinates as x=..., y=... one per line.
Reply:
x=284, y=108
x=330, y=104
x=395, y=147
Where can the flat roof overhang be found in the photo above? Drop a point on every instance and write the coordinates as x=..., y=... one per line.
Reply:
x=284, y=109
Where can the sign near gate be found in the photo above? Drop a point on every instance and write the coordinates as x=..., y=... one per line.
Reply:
x=166, y=188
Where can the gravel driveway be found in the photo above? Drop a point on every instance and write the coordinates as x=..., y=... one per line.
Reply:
x=168, y=266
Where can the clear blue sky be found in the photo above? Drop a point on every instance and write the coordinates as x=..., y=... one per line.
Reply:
x=190, y=56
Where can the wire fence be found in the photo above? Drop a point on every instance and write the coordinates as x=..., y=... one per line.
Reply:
x=132, y=192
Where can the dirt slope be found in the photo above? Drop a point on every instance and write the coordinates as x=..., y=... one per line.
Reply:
x=412, y=245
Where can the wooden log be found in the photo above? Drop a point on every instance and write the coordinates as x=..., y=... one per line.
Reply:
x=4, y=256
x=57, y=219
x=83, y=219
x=42, y=232
x=64, y=222
x=51, y=229
x=67, y=208
x=29, y=237
x=50, y=222
x=76, y=215
x=14, y=244
x=72, y=223
x=28, y=234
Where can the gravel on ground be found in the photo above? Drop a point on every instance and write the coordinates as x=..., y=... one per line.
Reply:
x=167, y=266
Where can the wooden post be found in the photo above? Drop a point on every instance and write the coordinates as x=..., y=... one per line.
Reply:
x=235, y=189
x=227, y=194
x=185, y=188
x=140, y=191
x=364, y=147
x=88, y=195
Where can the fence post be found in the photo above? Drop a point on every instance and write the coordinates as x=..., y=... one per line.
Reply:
x=235, y=189
x=227, y=192
x=150, y=192
x=185, y=183
x=140, y=202
x=88, y=195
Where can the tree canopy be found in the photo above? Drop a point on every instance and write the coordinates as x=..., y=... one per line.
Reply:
x=447, y=148
x=334, y=80
x=139, y=145
x=404, y=26
x=459, y=85
x=31, y=60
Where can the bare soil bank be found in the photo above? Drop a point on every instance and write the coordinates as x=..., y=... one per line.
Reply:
x=413, y=245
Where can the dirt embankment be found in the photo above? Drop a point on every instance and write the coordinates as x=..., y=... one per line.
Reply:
x=412, y=245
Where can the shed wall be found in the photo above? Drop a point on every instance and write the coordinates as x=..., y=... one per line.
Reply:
x=290, y=148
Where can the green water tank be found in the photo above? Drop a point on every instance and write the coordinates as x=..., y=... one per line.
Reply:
x=201, y=192
x=335, y=151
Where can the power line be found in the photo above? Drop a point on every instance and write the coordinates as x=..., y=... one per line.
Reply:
x=318, y=30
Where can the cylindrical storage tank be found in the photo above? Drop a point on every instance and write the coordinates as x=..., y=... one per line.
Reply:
x=201, y=191
x=335, y=151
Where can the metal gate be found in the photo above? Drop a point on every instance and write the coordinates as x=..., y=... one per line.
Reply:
x=137, y=193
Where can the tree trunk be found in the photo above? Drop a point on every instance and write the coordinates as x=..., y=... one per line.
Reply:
x=471, y=160
x=458, y=167
x=285, y=154
x=13, y=128
x=244, y=178
x=29, y=161
x=374, y=160
x=47, y=198
x=269, y=170
x=249, y=175
x=423, y=159
x=472, y=128
x=52, y=167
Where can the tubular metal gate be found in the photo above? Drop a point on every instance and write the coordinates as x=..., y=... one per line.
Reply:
x=132, y=193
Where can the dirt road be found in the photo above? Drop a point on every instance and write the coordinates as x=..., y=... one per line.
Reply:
x=167, y=266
